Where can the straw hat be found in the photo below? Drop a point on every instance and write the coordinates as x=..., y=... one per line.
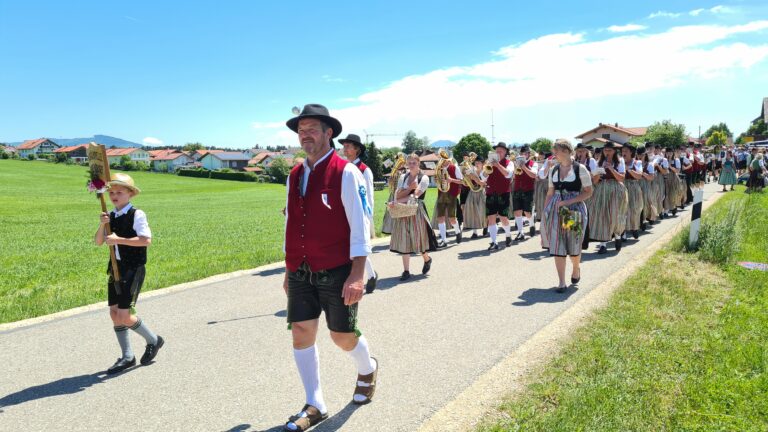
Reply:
x=125, y=181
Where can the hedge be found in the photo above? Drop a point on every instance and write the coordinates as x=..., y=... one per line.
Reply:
x=194, y=173
x=238, y=176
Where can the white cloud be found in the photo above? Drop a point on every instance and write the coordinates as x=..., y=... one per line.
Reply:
x=555, y=68
x=719, y=9
x=664, y=14
x=330, y=79
x=626, y=28
x=152, y=141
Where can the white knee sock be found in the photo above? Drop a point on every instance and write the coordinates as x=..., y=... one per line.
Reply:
x=308, y=363
x=493, y=230
x=456, y=228
x=519, y=224
x=474, y=232
x=370, y=273
x=443, y=234
x=508, y=230
x=531, y=220
x=362, y=357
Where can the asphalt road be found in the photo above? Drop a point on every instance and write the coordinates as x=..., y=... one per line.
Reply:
x=227, y=364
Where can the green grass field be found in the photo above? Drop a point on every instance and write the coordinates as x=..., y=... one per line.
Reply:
x=680, y=347
x=200, y=227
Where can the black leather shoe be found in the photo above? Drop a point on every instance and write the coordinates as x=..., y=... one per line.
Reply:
x=508, y=241
x=474, y=236
x=635, y=234
x=493, y=247
x=617, y=243
x=371, y=285
x=427, y=266
x=405, y=276
x=526, y=222
x=575, y=280
x=151, y=351
x=602, y=250
x=532, y=231
x=120, y=365
x=560, y=289
x=519, y=237
x=458, y=238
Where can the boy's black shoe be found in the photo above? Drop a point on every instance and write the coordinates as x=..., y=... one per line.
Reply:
x=405, y=276
x=602, y=250
x=458, y=238
x=120, y=365
x=526, y=222
x=151, y=351
x=427, y=266
x=441, y=244
x=520, y=237
x=493, y=247
x=532, y=231
x=617, y=244
x=474, y=236
x=508, y=241
x=371, y=285
x=635, y=234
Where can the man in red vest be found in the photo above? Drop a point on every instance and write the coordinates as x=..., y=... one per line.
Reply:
x=522, y=190
x=354, y=151
x=327, y=240
x=446, y=204
x=497, y=190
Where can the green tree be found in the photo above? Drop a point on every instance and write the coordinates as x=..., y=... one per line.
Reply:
x=3, y=154
x=374, y=161
x=193, y=146
x=473, y=142
x=542, y=145
x=414, y=144
x=125, y=160
x=720, y=127
x=718, y=139
x=279, y=170
x=757, y=128
x=666, y=134
x=61, y=157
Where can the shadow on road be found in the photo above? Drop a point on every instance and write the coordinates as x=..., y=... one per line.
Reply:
x=64, y=386
x=279, y=314
x=241, y=428
x=474, y=254
x=535, y=256
x=391, y=282
x=335, y=422
x=532, y=296
x=272, y=272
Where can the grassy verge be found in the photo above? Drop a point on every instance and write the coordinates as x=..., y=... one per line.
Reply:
x=200, y=227
x=681, y=346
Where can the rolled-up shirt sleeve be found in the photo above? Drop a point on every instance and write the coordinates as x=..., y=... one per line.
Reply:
x=353, y=189
x=140, y=224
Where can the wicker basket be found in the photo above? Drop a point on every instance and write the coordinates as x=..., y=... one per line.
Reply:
x=400, y=210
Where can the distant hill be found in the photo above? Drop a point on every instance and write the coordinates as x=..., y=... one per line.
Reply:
x=107, y=140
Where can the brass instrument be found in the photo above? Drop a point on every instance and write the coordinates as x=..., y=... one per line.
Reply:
x=394, y=176
x=468, y=171
x=488, y=167
x=442, y=178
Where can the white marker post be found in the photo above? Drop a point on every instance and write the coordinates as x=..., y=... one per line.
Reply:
x=693, y=238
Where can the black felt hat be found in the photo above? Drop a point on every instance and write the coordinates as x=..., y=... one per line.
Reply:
x=502, y=145
x=354, y=139
x=315, y=111
x=612, y=145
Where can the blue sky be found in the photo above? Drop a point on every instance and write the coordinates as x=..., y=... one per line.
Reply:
x=227, y=73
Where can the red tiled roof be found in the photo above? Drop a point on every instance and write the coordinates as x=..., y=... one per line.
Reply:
x=169, y=156
x=70, y=148
x=30, y=144
x=253, y=169
x=205, y=152
x=259, y=158
x=164, y=154
x=633, y=131
x=121, y=151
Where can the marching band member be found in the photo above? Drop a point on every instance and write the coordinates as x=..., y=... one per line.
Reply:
x=608, y=207
x=650, y=211
x=657, y=159
x=676, y=165
x=413, y=234
x=445, y=206
x=354, y=150
x=699, y=166
x=671, y=182
x=632, y=181
x=497, y=193
x=523, y=186
x=569, y=185
x=474, y=209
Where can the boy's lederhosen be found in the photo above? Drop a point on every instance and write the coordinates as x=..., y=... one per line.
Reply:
x=318, y=268
x=130, y=265
x=522, y=191
x=497, y=192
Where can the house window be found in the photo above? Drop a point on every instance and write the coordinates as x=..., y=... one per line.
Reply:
x=607, y=136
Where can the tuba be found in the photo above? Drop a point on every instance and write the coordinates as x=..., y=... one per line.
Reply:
x=441, y=172
x=468, y=171
x=396, y=167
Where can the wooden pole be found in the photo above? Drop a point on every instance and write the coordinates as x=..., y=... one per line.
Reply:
x=97, y=154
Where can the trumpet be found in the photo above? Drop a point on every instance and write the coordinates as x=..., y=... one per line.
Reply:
x=488, y=166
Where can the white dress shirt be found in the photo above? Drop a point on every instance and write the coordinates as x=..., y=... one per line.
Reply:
x=352, y=187
x=140, y=224
x=368, y=175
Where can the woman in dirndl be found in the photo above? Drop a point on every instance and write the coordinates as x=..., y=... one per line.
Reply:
x=671, y=183
x=756, y=183
x=569, y=185
x=541, y=186
x=728, y=173
x=608, y=206
x=632, y=181
x=412, y=234
x=474, y=208
x=650, y=211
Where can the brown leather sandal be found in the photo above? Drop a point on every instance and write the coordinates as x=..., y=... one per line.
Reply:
x=366, y=391
x=303, y=423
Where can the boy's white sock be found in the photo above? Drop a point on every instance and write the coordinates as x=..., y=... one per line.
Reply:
x=443, y=233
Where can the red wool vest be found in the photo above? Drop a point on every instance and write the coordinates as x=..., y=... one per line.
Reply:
x=455, y=189
x=317, y=230
x=524, y=183
x=497, y=183
x=361, y=166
